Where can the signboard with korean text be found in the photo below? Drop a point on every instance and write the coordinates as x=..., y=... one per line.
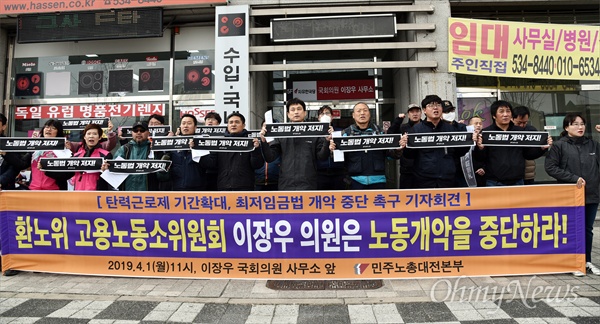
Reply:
x=89, y=111
x=297, y=235
x=14, y=7
x=232, y=55
x=138, y=166
x=171, y=143
x=27, y=144
x=224, y=144
x=85, y=164
x=310, y=129
x=523, y=50
x=440, y=139
x=210, y=130
x=323, y=90
x=525, y=139
x=81, y=123
x=371, y=142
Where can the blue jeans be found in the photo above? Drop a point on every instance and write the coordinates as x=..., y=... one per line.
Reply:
x=590, y=217
x=492, y=183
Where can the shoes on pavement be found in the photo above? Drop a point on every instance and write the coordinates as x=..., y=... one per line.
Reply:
x=10, y=272
x=591, y=268
x=578, y=274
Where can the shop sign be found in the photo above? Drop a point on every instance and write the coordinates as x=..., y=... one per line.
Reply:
x=232, y=71
x=13, y=7
x=523, y=50
x=89, y=111
x=334, y=90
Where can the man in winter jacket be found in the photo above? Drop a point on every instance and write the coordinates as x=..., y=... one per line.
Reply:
x=434, y=167
x=235, y=170
x=505, y=165
x=298, y=155
x=185, y=173
x=407, y=172
x=366, y=168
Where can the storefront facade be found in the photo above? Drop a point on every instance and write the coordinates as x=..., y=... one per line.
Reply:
x=331, y=63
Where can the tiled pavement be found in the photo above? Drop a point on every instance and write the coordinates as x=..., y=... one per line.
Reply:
x=55, y=298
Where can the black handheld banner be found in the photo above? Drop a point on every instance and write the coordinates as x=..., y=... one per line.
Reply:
x=370, y=142
x=171, y=143
x=297, y=130
x=81, y=123
x=30, y=144
x=138, y=166
x=441, y=139
x=88, y=164
x=523, y=139
x=221, y=144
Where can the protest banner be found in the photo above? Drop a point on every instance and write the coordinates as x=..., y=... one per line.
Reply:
x=297, y=235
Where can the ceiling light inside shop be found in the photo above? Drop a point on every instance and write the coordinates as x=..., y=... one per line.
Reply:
x=193, y=51
x=91, y=55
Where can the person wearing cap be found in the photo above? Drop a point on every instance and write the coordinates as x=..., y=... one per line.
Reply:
x=505, y=165
x=434, y=167
x=407, y=172
x=138, y=148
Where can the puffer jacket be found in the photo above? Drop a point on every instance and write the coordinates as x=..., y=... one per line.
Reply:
x=435, y=163
x=506, y=163
x=368, y=162
x=137, y=182
x=299, y=156
x=235, y=170
x=570, y=158
x=90, y=180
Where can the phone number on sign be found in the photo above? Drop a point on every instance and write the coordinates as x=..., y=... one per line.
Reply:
x=555, y=66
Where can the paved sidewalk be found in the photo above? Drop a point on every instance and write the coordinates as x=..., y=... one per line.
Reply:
x=54, y=298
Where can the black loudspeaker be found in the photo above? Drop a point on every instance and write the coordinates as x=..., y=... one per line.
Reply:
x=151, y=79
x=120, y=81
x=198, y=77
x=90, y=82
x=232, y=24
x=28, y=84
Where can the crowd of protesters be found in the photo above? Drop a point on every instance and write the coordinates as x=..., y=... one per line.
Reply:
x=307, y=163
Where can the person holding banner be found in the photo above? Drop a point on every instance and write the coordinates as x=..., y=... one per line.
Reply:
x=10, y=162
x=109, y=144
x=575, y=158
x=186, y=174
x=505, y=165
x=434, y=167
x=212, y=119
x=407, y=172
x=298, y=155
x=41, y=180
x=92, y=148
x=331, y=174
x=365, y=168
x=521, y=118
x=235, y=170
x=137, y=149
